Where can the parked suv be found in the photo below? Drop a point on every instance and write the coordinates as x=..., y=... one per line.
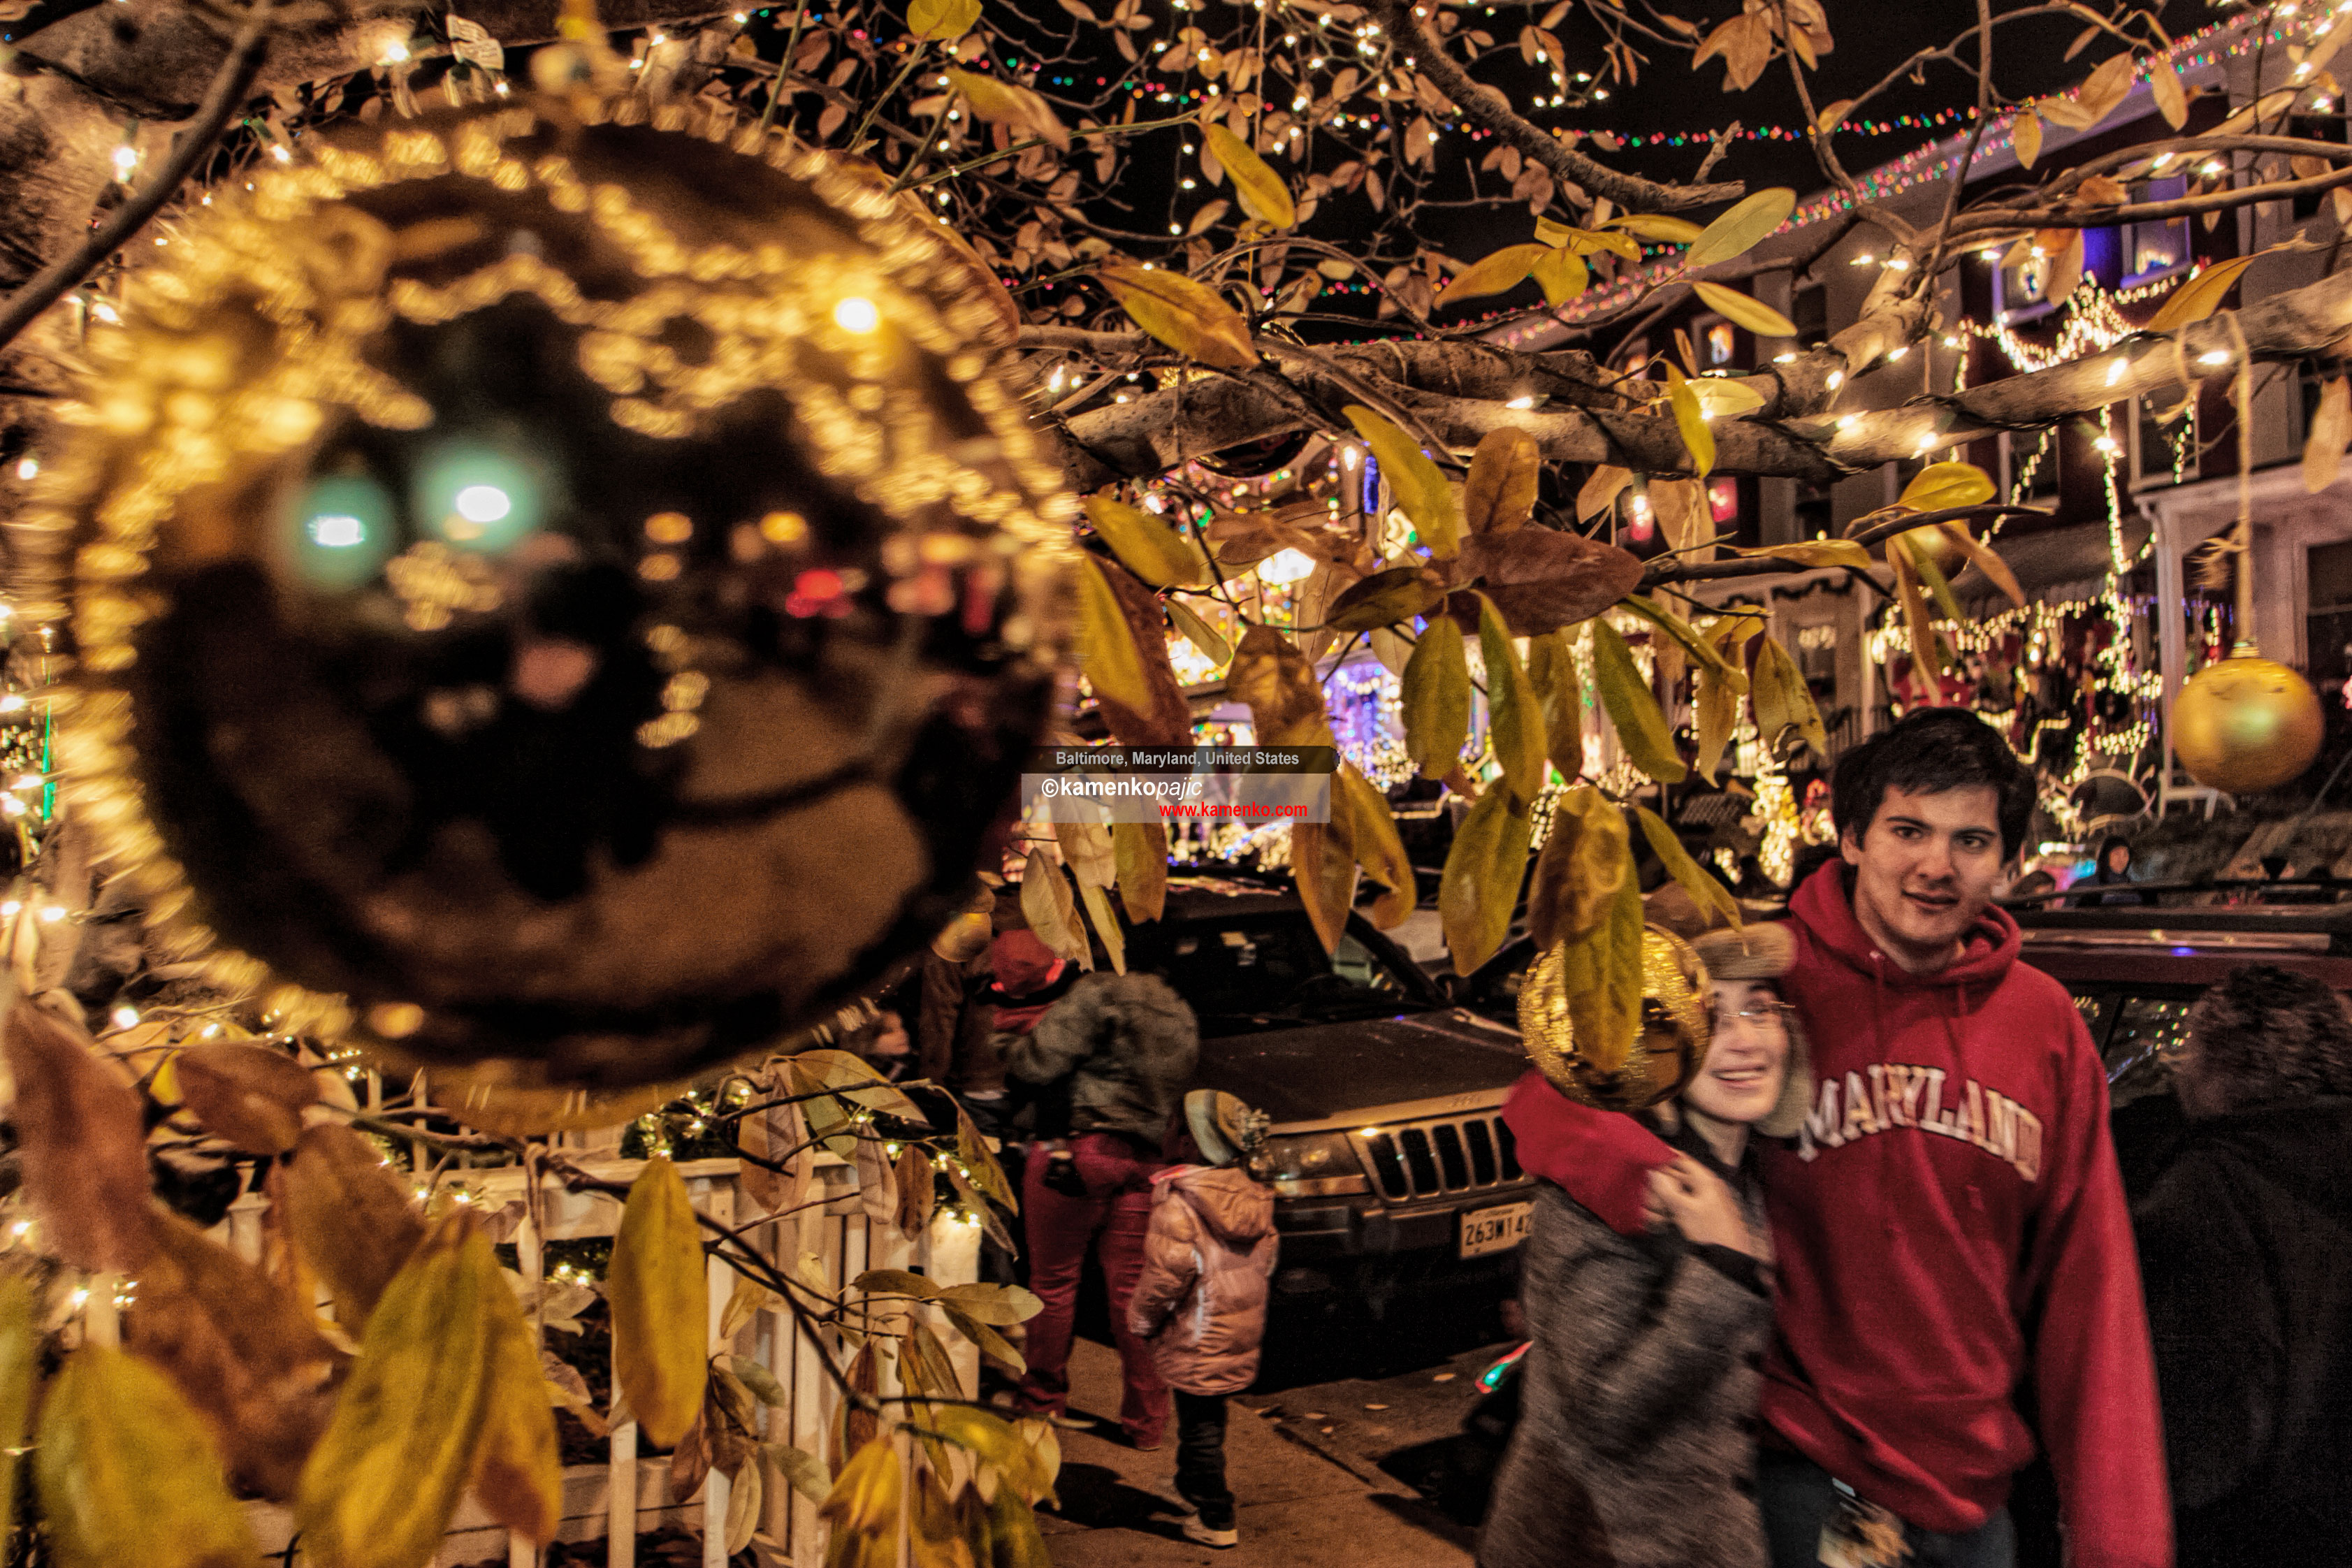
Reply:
x=1392, y=1166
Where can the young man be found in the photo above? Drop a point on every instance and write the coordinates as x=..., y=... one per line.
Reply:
x=1949, y=1226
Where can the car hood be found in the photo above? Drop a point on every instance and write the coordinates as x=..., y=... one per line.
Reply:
x=1324, y=1072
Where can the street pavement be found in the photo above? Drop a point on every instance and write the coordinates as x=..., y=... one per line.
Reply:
x=1325, y=1475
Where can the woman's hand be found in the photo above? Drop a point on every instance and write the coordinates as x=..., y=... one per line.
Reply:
x=1702, y=1206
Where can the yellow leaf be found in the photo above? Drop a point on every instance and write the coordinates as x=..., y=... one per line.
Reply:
x=1421, y=490
x=519, y=1471
x=1562, y=275
x=2105, y=88
x=1046, y=905
x=1385, y=598
x=1559, y=687
x=1584, y=865
x=1499, y=273
x=1600, y=490
x=1988, y=561
x=20, y=1368
x=1188, y=317
x=128, y=1474
x=1815, y=553
x=379, y=1489
x=1480, y=885
x=1719, y=688
x=1278, y=683
x=2201, y=295
x=1633, y=707
x=1200, y=633
x=1435, y=697
x=1323, y=871
x=1500, y=494
x=1704, y=889
x=942, y=21
x=1691, y=420
x=1002, y=103
x=1674, y=626
x=2331, y=426
x=1142, y=851
x=1371, y=833
x=1745, y=311
x=1587, y=906
x=1737, y=231
x=1106, y=643
x=1939, y=487
x=1832, y=115
x=863, y=1501
x=2025, y=133
x=1085, y=848
x=1262, y=191
x=1720, y=397
x=1515, y=726
x=1784, y=702
x=1655, y=228
x=1106, y=924
x=1147, y=546
x=660, y=1295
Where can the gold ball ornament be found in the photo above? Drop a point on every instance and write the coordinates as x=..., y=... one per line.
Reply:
x=2246, y=724
x=1664, y=1050
x=559, y=593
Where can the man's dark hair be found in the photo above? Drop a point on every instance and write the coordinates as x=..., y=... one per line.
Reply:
x=2267, y=1036
x=1927, y=753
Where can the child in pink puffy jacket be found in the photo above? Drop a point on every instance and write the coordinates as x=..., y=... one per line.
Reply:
x=1201, y=1300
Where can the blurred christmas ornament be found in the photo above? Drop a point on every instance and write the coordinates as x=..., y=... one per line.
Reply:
x=2246, y=724
x=557, y=596
x=1665, y=1052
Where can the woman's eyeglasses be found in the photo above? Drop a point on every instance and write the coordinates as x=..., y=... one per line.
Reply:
x=1759, y=1014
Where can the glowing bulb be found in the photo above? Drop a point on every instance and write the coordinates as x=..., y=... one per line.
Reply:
x=1897, y=352
x=1520, y=403
x=857, y=315
x=2214, y=356
x=338, y=531
x=126, y=159
x=1286, y=566
x=1836, y=380
x=395, y=55
x=124, y=1017
x=481, y=503
x=27, y=467
x=2116, y=370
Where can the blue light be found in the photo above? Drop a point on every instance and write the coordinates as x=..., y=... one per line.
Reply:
x=2183, y=951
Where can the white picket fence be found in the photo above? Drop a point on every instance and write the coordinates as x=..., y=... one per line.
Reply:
x=627, y=1494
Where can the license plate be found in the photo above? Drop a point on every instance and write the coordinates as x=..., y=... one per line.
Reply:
x=1496, y=1229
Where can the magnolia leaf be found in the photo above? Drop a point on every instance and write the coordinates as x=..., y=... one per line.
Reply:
x=1262, y=191
x=1738, y=230
x=2106, y=87
x=2065, y=249
x=1385, y=599
x=2331, y=428
x=1499, y=273
x=1584, y=866
x=1683, y=633
x=126, y=1474
x=2025, y=133
x=1601, y=971
x=1832, y=115
x=20, y=1370
x=942, y=21
x=249, y=1097
x=895, y=1282
x=779, y=1134
x=1515, y=725
x=802, y=1470
x=863, y=1501
x=1379, y=848
x=1561, y=274
x=1988, y=561
x=1109, y=658
x=1087, y=850
x=379, y=1487
x=1632, y=706
x=1745, y=311
x=1323, y=870
x=1421, y=490
x=1920, y=634
x=2201, y=295
x=1016, y=107
x=1784, y=702
x=659, y=1297
x=1200, y=633
x=1164, y=718
x=1691, y=420
x=1140, y=849
x=1601, y=491
x=1278, y=684
x=1656, y=227
x=991, y=1344
x=1052, y=911
x=1435, y=698
x=1939, y=487
x=1480, y=885
x=1097, y=903
x=1541, y=578
x=349, y=1217
x=1500, y=493
x=1187, y=316
x=1559, y=689
x=519, y=1470
x=81, y=1144
x=1721, y=397
x=1147, y=546
x=1814, y=552
x=1714, y=703
x=1703, y=887
x=743, y=1503
x=1923, y=561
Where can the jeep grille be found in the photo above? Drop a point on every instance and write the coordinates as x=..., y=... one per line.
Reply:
x=1431, y=1159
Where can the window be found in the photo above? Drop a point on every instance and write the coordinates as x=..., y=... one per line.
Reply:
x=2163, y=453
x=1720, y=344
x=1809, y=312
x=2019, y=285
x=2153, y=250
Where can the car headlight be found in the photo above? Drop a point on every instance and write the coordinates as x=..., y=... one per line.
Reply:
x=1314, y=1164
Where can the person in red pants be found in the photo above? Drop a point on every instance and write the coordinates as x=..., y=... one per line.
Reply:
x=1125, y=1045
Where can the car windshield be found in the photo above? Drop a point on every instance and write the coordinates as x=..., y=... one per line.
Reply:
x=1272, y=965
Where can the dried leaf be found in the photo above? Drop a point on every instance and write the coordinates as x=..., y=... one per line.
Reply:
x=1832, y=115
x=1385, y=599
x=1939, y=487
x=350, y=1218
x=1016, y=107
x=1632, y=706
x=2331, y=428
x=1745, y=311
x=1500, y=493
x=1186, y=316
x=1600, y=490
x=1140, y=851
x=1541, y=580
x=1705, y=889
x=1323, y=870
x=1147, y=546
x=1434, y=696
x=82, y=1147
x=1657, y=227
x=1163, y=719
x=1480, y=885
x=778, y=1134
x=1421, y=490
x=1278, y=685
x=2025, y=133
x=1720, y=686
x=518, y=1470
x=1109, y=658
x=1371, y=835
x=249, y=1097
x=1498, y=273
x=1515, y=726
x=864, y=1504
x=1200, y=633
x=1739, y=231
x=126, y=1474
x=1690, y=419
x=2200, y=296
x=2105, y=89
x=659, y=1297
x=1988, y=561
x=1815, y=553
x=1584, y=865
x=1262, y=191
x=1784, y=702
x=1559, y=689
x=1087, y=850
x=20, y=1370
x=1561, y=274
x=942, y=21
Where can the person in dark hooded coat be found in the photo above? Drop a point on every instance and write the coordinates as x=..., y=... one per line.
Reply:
x=2245, y=1246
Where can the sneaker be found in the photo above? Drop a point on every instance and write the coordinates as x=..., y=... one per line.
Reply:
x=1195, y=1530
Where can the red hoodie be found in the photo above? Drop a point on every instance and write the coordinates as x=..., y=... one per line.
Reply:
x=1949, y=1217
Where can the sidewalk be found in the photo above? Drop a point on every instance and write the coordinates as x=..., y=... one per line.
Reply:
x=1297, y=1508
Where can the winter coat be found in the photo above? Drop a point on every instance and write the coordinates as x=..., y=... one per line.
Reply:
x=2246, y=1245
x=1206, y=1260
x=1636, y=1441
x=1127, y=1043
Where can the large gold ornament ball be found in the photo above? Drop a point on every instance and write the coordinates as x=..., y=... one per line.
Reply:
x=2246, y=724
x=1662, y=1053
x=566, y=599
